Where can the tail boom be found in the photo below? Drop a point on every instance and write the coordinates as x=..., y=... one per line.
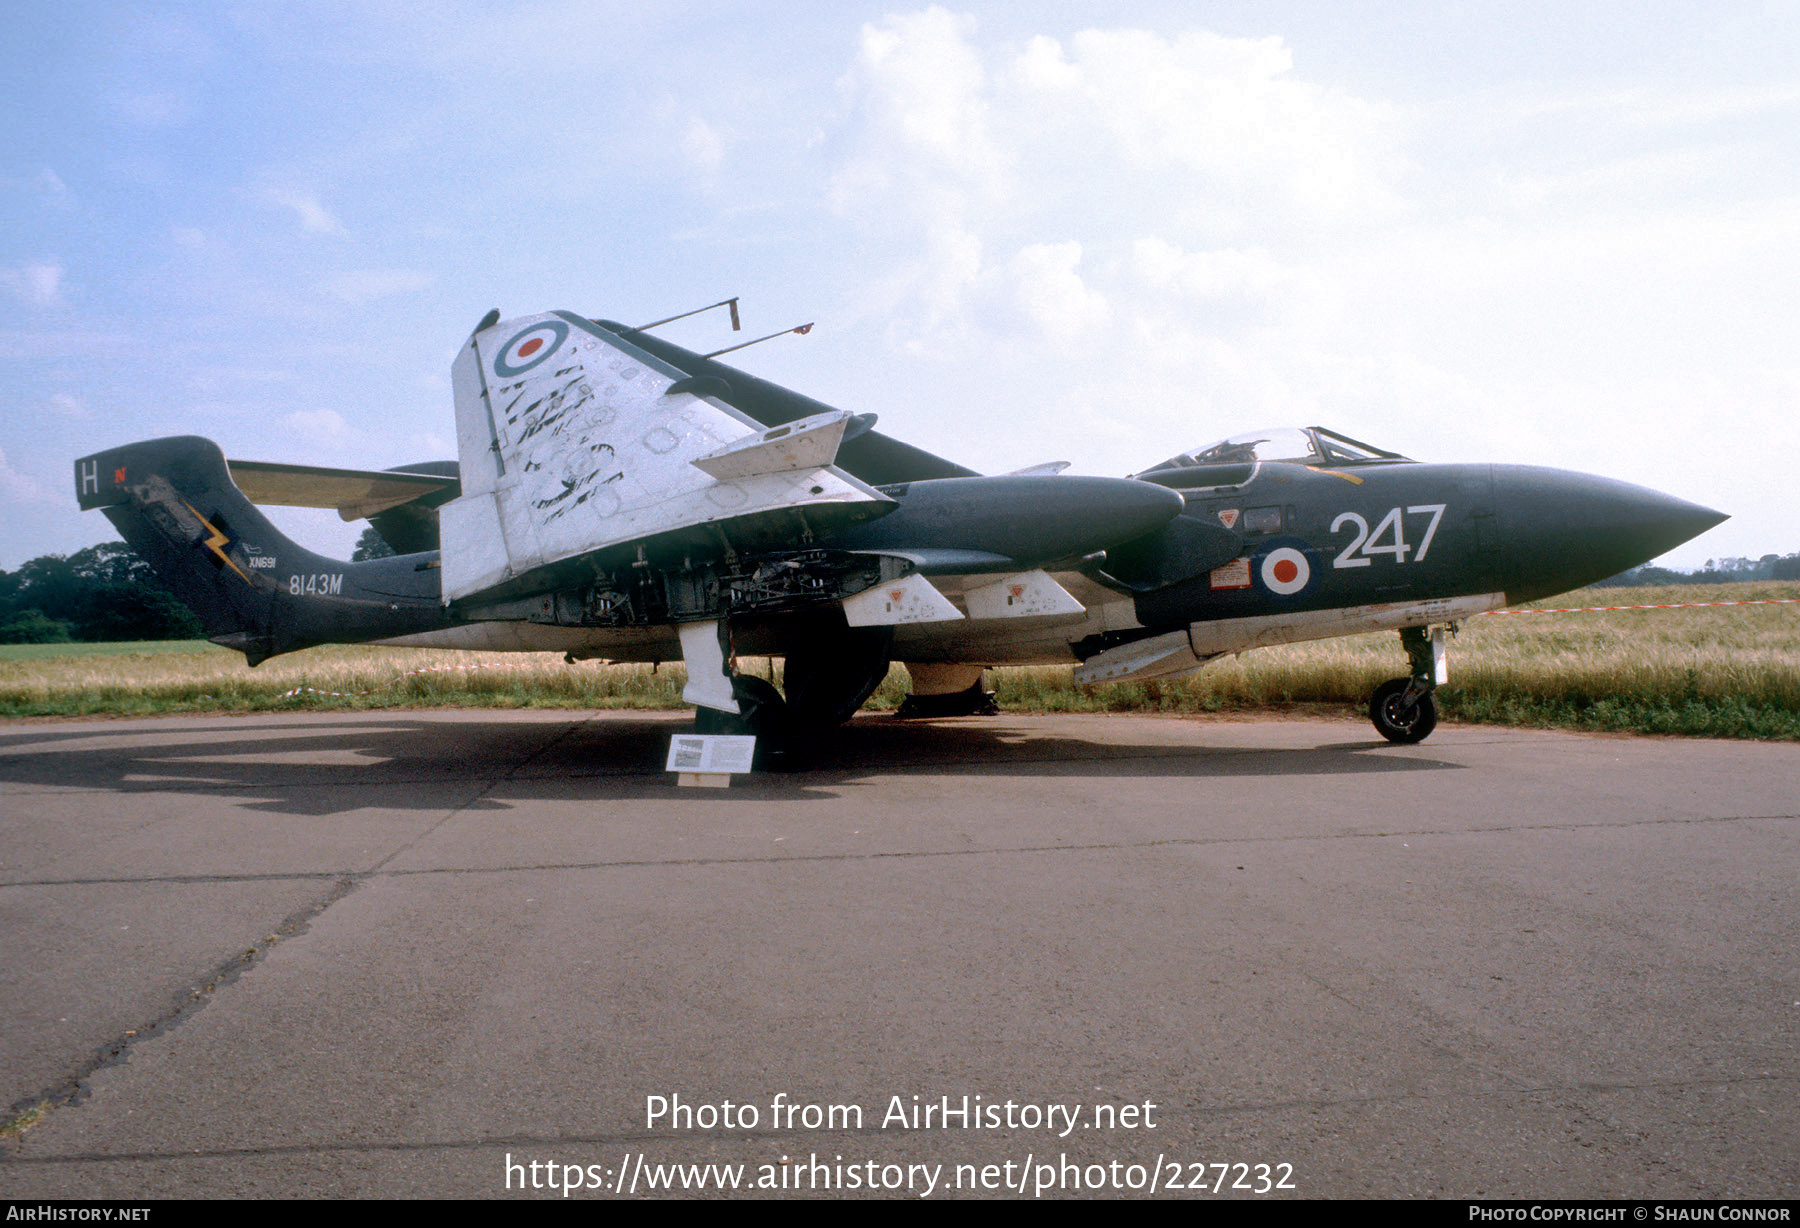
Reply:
x=252, y=588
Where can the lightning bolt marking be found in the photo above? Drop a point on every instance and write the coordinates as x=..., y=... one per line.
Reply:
x=216, y=541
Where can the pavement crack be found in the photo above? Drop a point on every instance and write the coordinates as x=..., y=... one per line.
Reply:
x=30, y=1111
x=479, y=795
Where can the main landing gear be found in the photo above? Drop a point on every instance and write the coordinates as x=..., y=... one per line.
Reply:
x=726, y=702
x=828, y=677
x=763, y=715
x=1404, y=710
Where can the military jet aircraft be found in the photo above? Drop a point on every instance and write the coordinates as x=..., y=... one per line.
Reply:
x=616, y=496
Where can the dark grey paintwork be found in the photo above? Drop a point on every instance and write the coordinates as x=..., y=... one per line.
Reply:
x=164, y=495
x=1523, y=531
x=1027, y=521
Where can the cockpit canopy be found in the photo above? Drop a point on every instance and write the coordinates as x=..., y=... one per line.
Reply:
x=1299, y=445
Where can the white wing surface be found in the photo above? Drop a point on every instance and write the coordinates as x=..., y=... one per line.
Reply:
x=573, y=442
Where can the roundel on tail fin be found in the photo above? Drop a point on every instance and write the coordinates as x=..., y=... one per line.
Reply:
x=529, y=347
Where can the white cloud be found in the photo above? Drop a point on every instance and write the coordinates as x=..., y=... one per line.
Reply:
x=430, y=446
x=1052, y=293
x=38, y=284
x=702, y=145
x=314, y=218
x=321, y=427
x=1062, y=151
x=1231, y=288
x=922, y=89
x=65, y=406
x=1218, y=113
x=1198, y=116
x=951, y=264
x=359, y=286
x=1208, y=274
x=16, y=487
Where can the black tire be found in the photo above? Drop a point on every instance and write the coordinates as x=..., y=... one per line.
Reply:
x=763, y=715
x=1402, y=725
x=832, y=673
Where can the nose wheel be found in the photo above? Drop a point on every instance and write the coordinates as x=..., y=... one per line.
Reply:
x=1402, y=718
x=1404, y=710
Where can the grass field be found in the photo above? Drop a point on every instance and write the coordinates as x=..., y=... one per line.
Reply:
x=1725, y=671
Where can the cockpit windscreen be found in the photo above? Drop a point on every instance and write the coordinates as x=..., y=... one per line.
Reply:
x=1299, y=445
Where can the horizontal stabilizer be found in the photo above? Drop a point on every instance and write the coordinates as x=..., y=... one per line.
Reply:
x=1029, y=594
x=355, y=494
x=910, y=599
x=1161, y=656
x=1047, y=469
x=808, y=443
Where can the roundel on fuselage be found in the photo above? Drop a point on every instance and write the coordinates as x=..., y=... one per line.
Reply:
x=1285, y=568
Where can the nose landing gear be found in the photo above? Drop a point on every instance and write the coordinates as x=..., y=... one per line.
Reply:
x=1404, y=710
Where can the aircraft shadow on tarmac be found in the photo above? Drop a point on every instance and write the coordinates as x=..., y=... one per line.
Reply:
x=320, y=767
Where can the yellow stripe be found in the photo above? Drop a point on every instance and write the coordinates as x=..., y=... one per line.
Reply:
x=215, y=541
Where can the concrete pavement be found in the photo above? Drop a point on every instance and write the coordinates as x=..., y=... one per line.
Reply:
x=387, y=953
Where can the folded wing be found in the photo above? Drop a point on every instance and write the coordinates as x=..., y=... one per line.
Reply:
x=579, y=449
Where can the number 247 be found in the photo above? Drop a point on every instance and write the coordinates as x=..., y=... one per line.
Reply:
x=1365, y=545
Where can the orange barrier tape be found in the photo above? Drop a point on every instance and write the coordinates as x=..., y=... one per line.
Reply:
x=1680, y=605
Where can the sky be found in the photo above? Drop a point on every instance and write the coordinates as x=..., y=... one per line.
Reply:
x=1559, y=234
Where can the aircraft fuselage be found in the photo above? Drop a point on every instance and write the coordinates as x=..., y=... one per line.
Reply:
x=619, y=497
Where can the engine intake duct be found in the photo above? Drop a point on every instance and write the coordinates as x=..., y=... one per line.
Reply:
x=1182, y=549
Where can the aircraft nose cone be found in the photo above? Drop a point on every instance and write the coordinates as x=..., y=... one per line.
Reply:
x=1570, y=529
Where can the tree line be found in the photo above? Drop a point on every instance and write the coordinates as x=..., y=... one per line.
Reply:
x=105, y=592
x=1716, y=571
